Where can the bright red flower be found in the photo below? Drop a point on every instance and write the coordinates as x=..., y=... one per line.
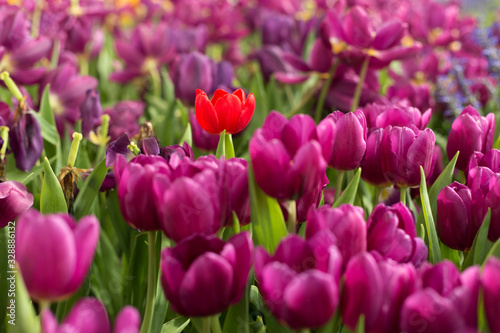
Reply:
x=230, y=112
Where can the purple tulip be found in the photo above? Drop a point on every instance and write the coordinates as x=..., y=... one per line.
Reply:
x=135, y=189
x=80, y=33
x=490, y=159
x=54, y=253
x=192, y=71
x=149, y=146
x=176, y=152
x=371, y=166
x=455, y=225
x=118, y=147
x=19, y=52
x=395, y=113
x=26, y=142
x=466, y=296
x=201, y=138
x=491, y=285
x=123, y=118
x=203, y=275
x=391, y=232
x=286, y=157
x=469, y=133
x=346, y=222
x=362, y=292
x=14, y=201
x=479, y=180
x=299, y=284
x=404, y=151
x=349, y=146
x=493, y=202
x=89, y=316
x=235, y=189
x=443, y=277
x=90, y=112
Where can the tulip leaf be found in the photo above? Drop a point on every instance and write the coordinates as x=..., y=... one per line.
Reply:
x=175, y=325
x=187, y=136
x=434, y=248
x=481, y=246
x=495, y=250
x=89, y=190
x=349, y=194
x=451, y=254
x=268, y=223
x=229, y=146
x=25, y=319
x=47, y=123
x=52, y=197
x=237, y=315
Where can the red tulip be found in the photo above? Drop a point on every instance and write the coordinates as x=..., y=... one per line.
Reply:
x=230, y=112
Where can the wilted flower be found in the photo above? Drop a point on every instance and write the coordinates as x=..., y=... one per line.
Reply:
x=26, y=142
x=123, y=118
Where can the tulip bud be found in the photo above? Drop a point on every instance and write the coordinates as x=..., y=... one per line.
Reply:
x=346, y=222
x=299, y=284
x=90, y=111
x=404, y=151
x=235, y=190
x=189, y=288
x=54, y=253
x=201, y=138
x=26, y=142
x=14, y=201
x=469, y=133
x=454, y=223
x=443, y=277
x=491, y=285
x=192, y=72
x=371, y=167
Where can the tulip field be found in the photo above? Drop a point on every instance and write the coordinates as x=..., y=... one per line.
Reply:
x=249, y=166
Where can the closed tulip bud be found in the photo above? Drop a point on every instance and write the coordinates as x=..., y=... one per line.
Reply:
x=54, y=253
x=493, y=202
x=201, y=138
x=349, y=146
x=235, y=190
x=90, y=111
x=363, y=291
x=454, y=223
x=443, y=277
x=134, y=181
x=491, y=287
x=189, y=205
x=26, y=142
x=346, y=222
x=371, y=167
x=466, y=296
x=286, y=157
x=14, y=201
x=404, y=151
x=469, y=133
x=203, y=275
x=193, y=71
x=299, y=284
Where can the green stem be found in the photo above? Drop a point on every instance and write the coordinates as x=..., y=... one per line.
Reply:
x=402, y=195
x=4, y=134
x=150, y=298
x=56, y=52
x=376, y=196
x=221, y=147
x=215, y=324
x=11, y=85
x=359, y=87
x=206, y=321
x=338, y=186
x=43, y=305
x=156, y=78
x=305, y=330
x=75, y=144
x=324, y=91
x=292, y=217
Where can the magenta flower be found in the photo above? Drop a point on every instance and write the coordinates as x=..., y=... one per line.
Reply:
x=54, y=253
x=493, y=202
x=491, y=285
x=395, y=113
x=188, y=287
x=371, y=166
x=299, y=283
x=14, y=201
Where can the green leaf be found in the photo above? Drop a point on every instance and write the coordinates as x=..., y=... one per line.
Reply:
x=450, y=254
x=434, y=249
x=481, y=246
x=237, y=315
x=175, y=325
x=89, y=190
x=272, y=324
x=4, y=268
x=229, y=146
x=25, y=316
x=495, y=250
x=187, y=136
x=49, y=132
x=45, y=109
x=349, y=194
x=268, y=223
x=52, y=198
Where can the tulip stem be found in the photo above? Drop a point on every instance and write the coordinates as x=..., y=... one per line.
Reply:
x=43, y=305
x=214, y=320
x=338, y=186
x=225, y=147
x=205, y=324
x=324, y=91
x=150, y=300
x=11, y=85
x=292, y=217
x=4, y=135
x=75, y=144
x=376, y=195
x=402, y=195
x=359, y=87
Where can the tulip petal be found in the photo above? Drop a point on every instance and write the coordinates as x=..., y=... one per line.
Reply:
x=89, y=316
x=228, y=109
x=247, y=111
x=128, y=321
x=206, y=115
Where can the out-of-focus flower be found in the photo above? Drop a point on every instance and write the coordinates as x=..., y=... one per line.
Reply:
x=404, y=151
x=287, y=159
x=67, y=93
x=299, y=284
x=491, y=294
x=135, y=189
x=83, y=36
x=203, y=275
x=229, y=112
x=235, y=190
x=489, y=159
x=201, y=138
x=371, y=166
x=89, y=316
x=469, y=133
x=26, y=142
x=191, y=72
x=90, y=112
x=14, y=201
x=346, y=222
x=54, y=253
x=118, y=147
x=493, y=202
x=124, y=118
x=180, y=152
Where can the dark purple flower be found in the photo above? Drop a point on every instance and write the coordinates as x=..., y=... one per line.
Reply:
x=203, y=275
x=192, y=71
x=371, y=166
x=90, y=112
x=26, y=142
x=299, y=284
x=14, y=201
x=177, y=152
x=124, y=118
x=149, y=146
x=118, y=147
x=201, y=138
